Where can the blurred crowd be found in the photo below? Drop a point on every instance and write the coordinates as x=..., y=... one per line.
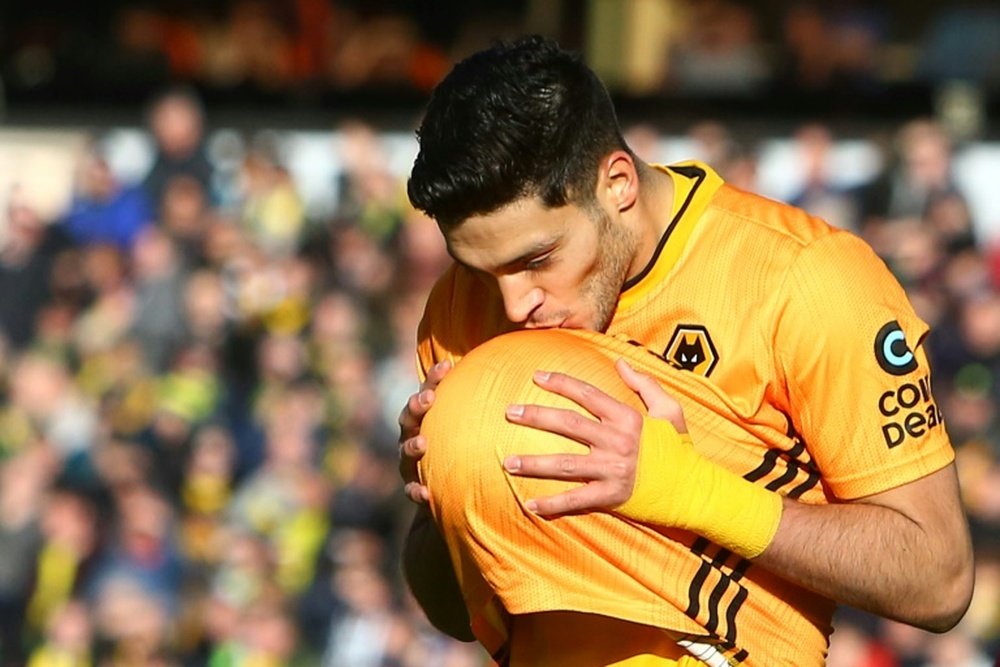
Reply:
x=198, y=426
x=200, y=387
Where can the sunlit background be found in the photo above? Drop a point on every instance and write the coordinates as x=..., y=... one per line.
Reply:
x=210, y=280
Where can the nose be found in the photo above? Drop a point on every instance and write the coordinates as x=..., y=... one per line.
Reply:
x=519, y=301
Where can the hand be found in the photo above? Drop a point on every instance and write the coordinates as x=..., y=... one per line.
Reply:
x=608, y=470
x=412, y=445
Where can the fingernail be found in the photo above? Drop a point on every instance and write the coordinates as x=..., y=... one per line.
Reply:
x=515, y=410
x=531, y=506
x=425, y=397
x=542, y=376
x=512, y=464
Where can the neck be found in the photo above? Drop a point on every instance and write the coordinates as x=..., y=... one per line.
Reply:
x=652, y=213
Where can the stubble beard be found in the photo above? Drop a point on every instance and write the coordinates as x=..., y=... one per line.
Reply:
x=618, y=245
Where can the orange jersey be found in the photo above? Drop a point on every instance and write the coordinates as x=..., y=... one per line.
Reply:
x=510, y=561
x=811, y=343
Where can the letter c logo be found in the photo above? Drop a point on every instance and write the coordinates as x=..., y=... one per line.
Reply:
x=892, y=352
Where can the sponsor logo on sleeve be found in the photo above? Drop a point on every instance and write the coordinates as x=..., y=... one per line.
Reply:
x=892, y=352
x=910, y=412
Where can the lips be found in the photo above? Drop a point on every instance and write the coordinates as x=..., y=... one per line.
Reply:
x=562, y=324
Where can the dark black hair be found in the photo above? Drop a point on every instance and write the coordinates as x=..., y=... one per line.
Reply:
x=521, y=119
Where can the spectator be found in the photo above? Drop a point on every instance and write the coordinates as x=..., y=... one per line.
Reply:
x=205, y=493
x=284, y=501
x=715, y=144
x=133, y=626
x=158, y=321
x=27, y=255
x=176, y=121
x=819, y=196
x=185, y=215
x=141, y=558
x=68, y=638
x=265, y=635
x=272, y=211
x=370, y=632
x=65, y=561
x=369, y=195
x=920, y=176
x=23, y=482
x=108, y=315
x=105, y=211
x=43, y=392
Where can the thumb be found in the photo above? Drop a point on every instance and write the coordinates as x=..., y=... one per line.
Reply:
x=658, y=402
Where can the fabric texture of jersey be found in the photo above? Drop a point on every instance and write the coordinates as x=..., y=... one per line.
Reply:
x=598, y=563
x=810, y=338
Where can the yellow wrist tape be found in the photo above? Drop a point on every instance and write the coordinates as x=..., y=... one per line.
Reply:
x=677, y=487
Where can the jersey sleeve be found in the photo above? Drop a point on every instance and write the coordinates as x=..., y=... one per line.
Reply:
x=850, y=349
x=434, y=318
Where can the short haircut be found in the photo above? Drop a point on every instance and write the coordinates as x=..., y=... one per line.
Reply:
x=521, y=119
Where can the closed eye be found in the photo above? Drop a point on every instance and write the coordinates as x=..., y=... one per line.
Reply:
x=537, y=263
x=529, y=265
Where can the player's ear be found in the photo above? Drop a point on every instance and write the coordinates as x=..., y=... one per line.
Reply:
x=618, y=181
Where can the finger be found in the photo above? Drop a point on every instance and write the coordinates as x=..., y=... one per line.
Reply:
x=419, y=403
x=565, y=422
x=584, y=394
x=593, y=496
x=436, y=374
x=411, y=451
x=658, y=402
x=576, y=467
x=417, y=493
x=413, y=413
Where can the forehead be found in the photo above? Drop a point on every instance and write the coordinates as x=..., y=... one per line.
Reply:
x=493, y=239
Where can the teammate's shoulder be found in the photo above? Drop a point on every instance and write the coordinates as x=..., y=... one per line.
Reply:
x=462, y=311
x=444, y=286
x=455, y=288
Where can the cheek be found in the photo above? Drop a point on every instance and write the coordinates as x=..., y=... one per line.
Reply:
x=568, y=285
x=582, y=267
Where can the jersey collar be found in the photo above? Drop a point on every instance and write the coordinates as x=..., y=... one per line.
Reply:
x=694, y=184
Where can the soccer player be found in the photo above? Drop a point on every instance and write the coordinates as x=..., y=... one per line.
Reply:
x=551, y=592
x=554, y=223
